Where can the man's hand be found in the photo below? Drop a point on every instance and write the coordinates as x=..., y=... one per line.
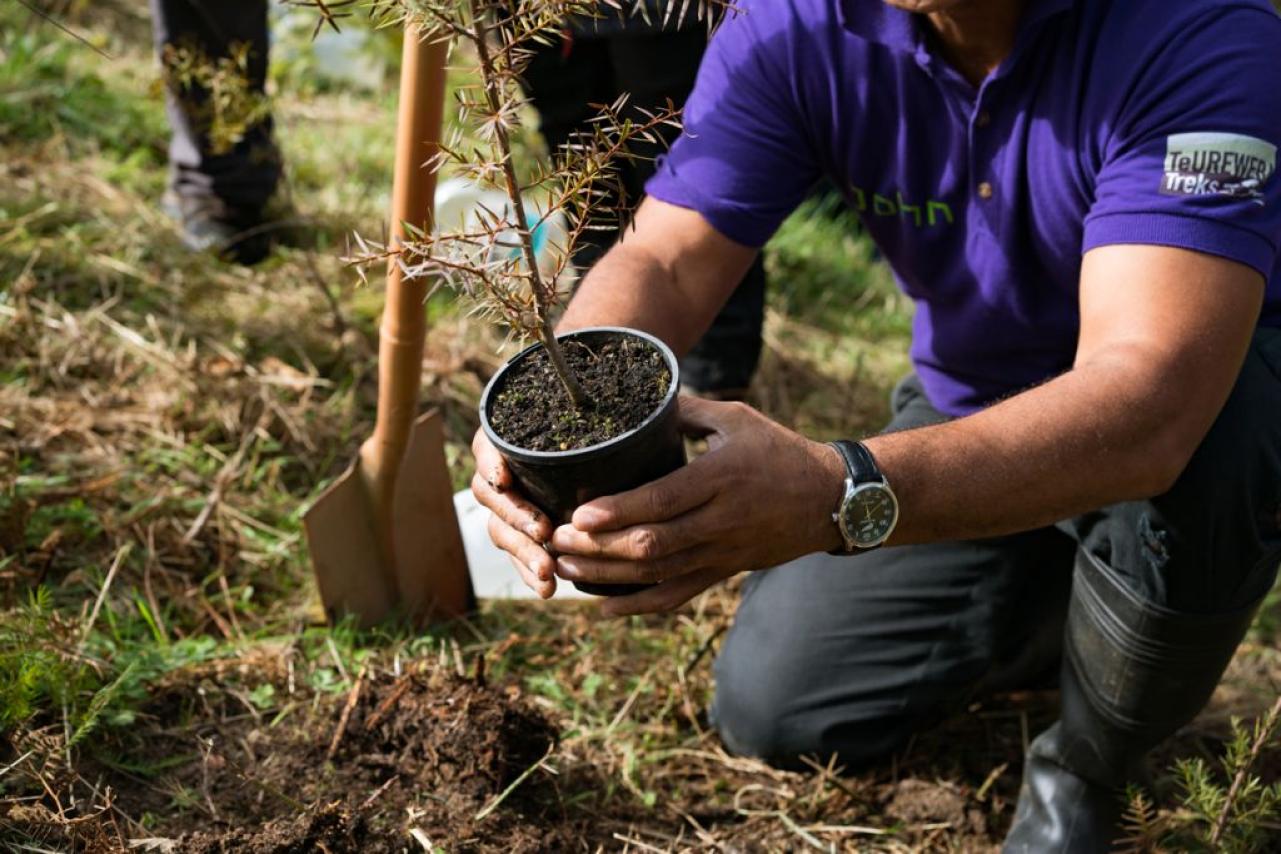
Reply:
x=516, y=526
x=762, y=495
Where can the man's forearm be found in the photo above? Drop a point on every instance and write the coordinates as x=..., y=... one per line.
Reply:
x=1164, y=333
x=1107, y=431
x=1156, y=361
x=628, y=287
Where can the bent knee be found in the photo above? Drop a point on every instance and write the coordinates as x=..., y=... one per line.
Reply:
x=782, y=721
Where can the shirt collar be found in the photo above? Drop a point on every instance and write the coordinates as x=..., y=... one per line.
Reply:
x=878, y=22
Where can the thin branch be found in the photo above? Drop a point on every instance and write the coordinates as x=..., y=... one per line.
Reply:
x=52, y=20
x=102, y=594
x=352, y=698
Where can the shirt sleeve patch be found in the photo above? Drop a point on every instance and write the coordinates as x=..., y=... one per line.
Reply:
x=1223, y=164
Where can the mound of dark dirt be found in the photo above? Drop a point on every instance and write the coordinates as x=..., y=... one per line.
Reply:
x=453, y=735
x=425, y=752
x=625, y=380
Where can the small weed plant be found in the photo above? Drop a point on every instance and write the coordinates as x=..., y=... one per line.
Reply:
x=1225, y=810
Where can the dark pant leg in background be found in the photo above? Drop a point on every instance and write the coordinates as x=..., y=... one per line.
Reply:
x=653, y=67
x=239, y=182
x=562, y=80
x=853, y=655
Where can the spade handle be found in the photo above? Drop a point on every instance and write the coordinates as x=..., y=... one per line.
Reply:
x=404, y=320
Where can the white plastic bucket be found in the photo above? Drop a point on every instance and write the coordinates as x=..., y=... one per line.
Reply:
x=459, y=202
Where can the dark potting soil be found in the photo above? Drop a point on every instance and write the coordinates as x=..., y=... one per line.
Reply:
x=626, y=379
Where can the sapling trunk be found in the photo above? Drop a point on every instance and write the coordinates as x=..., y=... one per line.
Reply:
x=544, y=293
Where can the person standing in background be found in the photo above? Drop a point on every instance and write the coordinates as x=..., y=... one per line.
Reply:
x=217, y=194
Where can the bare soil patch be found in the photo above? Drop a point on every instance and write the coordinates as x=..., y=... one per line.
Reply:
x=432, y=756
x=428, y=756
x=422, y=751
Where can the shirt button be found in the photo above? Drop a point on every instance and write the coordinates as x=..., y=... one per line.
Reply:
x=983, y=119
x=985, y=190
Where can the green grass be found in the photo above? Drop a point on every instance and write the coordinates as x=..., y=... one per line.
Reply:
x=824, y=271
x=96, y=680
x=47, y=88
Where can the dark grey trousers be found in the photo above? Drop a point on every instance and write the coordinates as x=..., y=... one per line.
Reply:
x=853, y=655
x=243, y=179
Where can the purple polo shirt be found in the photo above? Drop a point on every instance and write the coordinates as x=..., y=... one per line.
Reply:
x=1131, y=121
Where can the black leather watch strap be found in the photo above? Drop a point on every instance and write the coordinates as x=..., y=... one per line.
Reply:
x=859, y=468
x=859, y=464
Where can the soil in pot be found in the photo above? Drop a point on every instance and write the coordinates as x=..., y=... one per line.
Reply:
x=625, y=378
x=626, y=437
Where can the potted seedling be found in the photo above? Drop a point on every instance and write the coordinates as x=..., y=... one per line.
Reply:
x=576, y=416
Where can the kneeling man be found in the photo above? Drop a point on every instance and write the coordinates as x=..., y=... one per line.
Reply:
x=1080, y=197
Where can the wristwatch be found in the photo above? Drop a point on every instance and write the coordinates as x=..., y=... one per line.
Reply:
x=868, y=510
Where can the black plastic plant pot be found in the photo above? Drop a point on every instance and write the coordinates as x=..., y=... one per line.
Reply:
x=559, y=481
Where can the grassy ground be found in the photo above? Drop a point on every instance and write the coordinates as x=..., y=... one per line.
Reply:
x=165, y=681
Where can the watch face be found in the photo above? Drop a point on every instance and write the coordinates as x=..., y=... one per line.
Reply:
x=869, y=515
